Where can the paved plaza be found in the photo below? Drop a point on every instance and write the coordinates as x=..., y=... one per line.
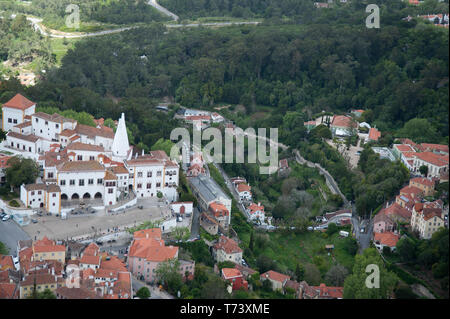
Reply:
x=84, y=226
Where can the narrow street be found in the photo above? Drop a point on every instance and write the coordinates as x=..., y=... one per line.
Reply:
x=155, y=293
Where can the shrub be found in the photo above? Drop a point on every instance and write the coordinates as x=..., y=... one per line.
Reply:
x=14, y=203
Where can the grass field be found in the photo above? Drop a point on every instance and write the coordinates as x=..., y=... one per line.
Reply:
x=61, y=46
x=289, y=249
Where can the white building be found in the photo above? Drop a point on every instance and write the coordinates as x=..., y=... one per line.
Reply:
x=153, y=173
x=49, y=127
x=15, y=111
x=84, y=180
x=244, y=191
x=41, y=196
x=182, y=208
x=256, y=212
x=437, y=164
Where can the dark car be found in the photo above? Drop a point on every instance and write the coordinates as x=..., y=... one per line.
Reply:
x=34, y=221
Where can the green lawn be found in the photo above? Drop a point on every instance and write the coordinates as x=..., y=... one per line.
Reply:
x=289, y=249
x=60, y=49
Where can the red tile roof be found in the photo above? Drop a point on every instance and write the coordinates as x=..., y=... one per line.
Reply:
x=8, y=291
x=387, y=238
x=329, y=292
x=218, y=209
x=6, y=262
x=254, y=208
x=434, y=159
x=374, y=134
x=228, y=245
x=78, y=146
x=422, y=180
x=19, y=102
x=90, y=260
x=342, y=121
x=276, y=276
x=395, y=210
x=243, y=188
x=229, y=273
x=152, y=250
x=91, y=250
x=404, y=148
x=434, y=147
x=411, y=190
x=155, y=233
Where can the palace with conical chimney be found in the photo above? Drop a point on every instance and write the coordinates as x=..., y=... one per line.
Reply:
x=82, y=163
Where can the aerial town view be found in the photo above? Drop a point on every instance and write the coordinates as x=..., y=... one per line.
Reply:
x=224, y=149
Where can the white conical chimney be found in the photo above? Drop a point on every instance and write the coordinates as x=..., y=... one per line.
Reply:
x=120, y=144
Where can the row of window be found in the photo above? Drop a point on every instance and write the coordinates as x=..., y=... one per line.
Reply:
x=81, y=182
x=23, y=147
x=46, y=123
x=14, y=121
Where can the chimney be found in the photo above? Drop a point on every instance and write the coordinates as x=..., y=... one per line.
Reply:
x=142, y=152
x=146, y=235
x=53, y=271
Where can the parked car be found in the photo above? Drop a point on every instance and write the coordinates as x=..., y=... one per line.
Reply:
x=98, y=242
x=2, y=214
x=6, y=217
x=34, y=221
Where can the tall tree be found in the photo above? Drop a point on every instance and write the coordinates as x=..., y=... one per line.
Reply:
x=355, y=285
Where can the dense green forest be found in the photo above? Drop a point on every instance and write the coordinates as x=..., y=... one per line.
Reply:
x=20, y=43
x=299, y=10
x=306, y=68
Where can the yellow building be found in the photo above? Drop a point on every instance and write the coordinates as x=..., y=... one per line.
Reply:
x=424, y=184
x=46, y=249
x=427, y=220
x=43, y=281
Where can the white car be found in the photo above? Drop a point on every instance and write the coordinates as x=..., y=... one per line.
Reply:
x=6, y=218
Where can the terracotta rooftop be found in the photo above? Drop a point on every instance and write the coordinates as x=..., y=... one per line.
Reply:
x=119, y=170
x=415, y=191
x=155, y=233
x=229, y=273
x=228, y=245
x=342, y=121
x=76, y=293
x=51, y=188
x=90, y=260
x=109, y=176
x=435, y=159
x=30, y=138
x=19, y=102
x=8, y=290
x=91, y=131
x=276, y=276
x=422, y=180
x=396, y=211
x=83, y=166
x=40, y=279
x=243, y=188
x=329, y=292
x=387, y=238
x=218, y=209
x=24, y=124
x=435, y=147
x=85, y=147
x=152, y=250
x=374, y=134
x=6, y=262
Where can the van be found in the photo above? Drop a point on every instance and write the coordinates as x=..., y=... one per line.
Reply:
x=343, y=233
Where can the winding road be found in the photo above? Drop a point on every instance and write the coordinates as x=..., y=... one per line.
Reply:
x=38, y=26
